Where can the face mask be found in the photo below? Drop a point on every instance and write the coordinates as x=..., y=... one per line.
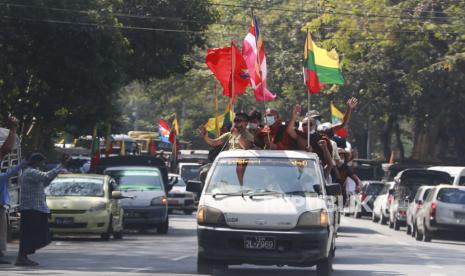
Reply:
x=270, y=120
x=252, y=126
x=312, y=131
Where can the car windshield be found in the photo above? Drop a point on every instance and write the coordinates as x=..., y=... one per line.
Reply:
x=137, y=179
x=451, y=195
x=255, y=175
x=411, y=183
x=374, y=188
x=190, y=172
x=75, y=187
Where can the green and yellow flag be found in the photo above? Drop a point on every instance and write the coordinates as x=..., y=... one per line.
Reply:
x=226, y=118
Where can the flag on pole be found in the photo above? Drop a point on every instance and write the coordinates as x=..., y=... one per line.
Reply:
x=95, y=151
x=320, y=67
x=174, y=130
x=253, y=52
x=164, y=131
x=219, y=60
x=226, y=118
x=336, y=118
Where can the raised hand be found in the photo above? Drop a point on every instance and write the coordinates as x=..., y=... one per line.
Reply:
x=12, y=122
x=352, y=103
x=296, y=111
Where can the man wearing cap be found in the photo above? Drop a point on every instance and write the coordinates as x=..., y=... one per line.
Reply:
x=238, y=138
x=5, y=149
x=34, y=210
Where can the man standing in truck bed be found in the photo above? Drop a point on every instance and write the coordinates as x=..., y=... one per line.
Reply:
x=4, y=177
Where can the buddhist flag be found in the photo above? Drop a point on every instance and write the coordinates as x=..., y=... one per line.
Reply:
x=336, y=118
x=320, y=67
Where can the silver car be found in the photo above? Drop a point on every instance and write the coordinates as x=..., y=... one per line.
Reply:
x=179, y=198
x=382, y=204
x=443, y=211
x=414, y=207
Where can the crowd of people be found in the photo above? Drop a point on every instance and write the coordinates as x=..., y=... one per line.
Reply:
x=251, y=131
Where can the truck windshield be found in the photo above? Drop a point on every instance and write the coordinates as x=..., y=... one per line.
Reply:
x=255, y=175
x=136, y=179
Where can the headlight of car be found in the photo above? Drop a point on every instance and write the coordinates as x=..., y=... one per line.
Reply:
x=98, y=207
x=161, y=200
x=210, y=216
x=313, y=219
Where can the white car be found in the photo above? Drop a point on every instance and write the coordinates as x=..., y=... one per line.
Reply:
x=179, y=198
x=268, y=208
x=457, y=174
x=382, y=204
x=414, y=207
x=443, y=211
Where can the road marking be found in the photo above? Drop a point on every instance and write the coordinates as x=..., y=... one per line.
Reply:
x=381, y=236
x=181, y=258
x=141, y=269
x=423, y=256
x=438, y=274
x=434, y=266
x=402, y=243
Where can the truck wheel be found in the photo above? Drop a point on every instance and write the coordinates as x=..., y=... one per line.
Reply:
x=324, y=267
x=205, y=266
x=163, y=228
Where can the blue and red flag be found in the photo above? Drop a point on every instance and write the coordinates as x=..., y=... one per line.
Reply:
x=164, y=131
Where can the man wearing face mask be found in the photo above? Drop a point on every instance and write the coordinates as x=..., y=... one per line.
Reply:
x=274, y=133
x=238, y=138
x=254, y=127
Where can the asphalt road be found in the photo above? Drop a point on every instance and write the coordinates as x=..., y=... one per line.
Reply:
x=363, y=248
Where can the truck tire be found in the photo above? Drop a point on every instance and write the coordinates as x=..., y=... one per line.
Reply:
x=324, y=267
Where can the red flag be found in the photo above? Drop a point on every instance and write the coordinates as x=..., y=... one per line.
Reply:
x=219, y=60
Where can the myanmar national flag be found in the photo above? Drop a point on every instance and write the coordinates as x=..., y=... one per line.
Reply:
x=336, y=118
x=320, y=67
x=226, y=118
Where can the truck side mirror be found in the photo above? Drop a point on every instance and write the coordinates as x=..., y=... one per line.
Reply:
x=333, y=189
x=194, y=186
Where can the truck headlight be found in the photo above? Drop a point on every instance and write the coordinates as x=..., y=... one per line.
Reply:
x=161, y=200
x=210, y=216
x=98, y=207
x=313, y=219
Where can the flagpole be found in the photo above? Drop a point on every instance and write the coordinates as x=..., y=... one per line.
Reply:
x=260, y=72
x=308, y=99
x=233, y=64
x=217, y=126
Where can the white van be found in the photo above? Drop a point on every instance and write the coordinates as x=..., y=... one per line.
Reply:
x=266, y=208
x=457, y=174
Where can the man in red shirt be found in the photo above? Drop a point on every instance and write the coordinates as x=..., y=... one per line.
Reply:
x=274, y=133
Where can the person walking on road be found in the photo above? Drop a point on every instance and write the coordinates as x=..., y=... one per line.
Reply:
x=5, y=149
x=34, y=211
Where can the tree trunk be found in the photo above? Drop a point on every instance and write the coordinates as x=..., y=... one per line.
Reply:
x=433, y=145
x=386, y=136
x=400, y=145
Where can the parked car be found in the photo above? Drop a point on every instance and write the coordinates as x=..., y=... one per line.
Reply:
x=407, y=184
x=457, y=174
x=443, y=211
x=266, y=207
x=382, y=203
x=367, y=196
x=179, y=198
x=85, y=204
x=414, y=207
x=147, y=205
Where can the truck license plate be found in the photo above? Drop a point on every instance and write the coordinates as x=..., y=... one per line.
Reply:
x=259, y=242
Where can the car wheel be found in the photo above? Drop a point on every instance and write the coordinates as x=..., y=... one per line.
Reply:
x=357, y=214
x=118, y=235
x=396, y=225
x=418, y=235
x=163, y=228
x=426, y=234
x=106, y=236
x=383, y=219
x=391, y=224
x=409, y=229
x=374, y=218
x=414, y=230
x=205, y=266
x=324, y=267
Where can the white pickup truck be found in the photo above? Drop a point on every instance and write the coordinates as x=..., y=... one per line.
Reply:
x=8, y=161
